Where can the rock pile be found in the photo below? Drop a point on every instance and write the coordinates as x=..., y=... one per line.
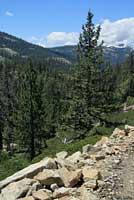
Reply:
x=87, y=175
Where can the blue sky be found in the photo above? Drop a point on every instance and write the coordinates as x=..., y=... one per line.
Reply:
x=42, y=21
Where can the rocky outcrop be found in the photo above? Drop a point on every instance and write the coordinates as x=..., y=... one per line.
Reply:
x=17, y=189
x=90, y=175
x=30, y=171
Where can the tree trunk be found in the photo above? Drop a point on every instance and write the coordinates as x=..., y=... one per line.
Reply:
x=1, y=140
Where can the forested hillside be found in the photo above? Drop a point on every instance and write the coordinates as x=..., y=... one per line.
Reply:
x=14, y=48
x=44, y=110
x=113, y=54
x=11, y=45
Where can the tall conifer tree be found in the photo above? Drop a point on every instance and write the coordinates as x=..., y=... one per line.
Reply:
x=30, y=109
x=88, y=74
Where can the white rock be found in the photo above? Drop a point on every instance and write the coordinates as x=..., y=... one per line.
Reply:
x=29, y=171
x=27, y=198
x=103, y=142
x=127, y=127
x=92, y=184
x=16, y=190
x=87, y=148
x=90, y=174
x=118, y=133
x=86, y=194
x=49, y=177
x=42, y=195
x=50, y=164
x=64, y=163
x=69, y=178
x=62, y=155
x=36, y=186
x=75, y=158
x=61, y=192
x=54, y=187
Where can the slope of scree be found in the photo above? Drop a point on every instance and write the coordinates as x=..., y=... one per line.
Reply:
x=104, y=171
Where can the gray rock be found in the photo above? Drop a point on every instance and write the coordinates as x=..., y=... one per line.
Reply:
x=118, y=133
x=75, y=158
x=87, y=148
x=86, y=194
x=62, y=155
x=16, y=190
x=42, y=195
x=90, y=174
x=27, y=198
x=61, y=192
x=64, y=163
x=49, y=177
x=92, y=184
x=70, y=178
x=36, y=186
x=129, y=128
x=29, y=171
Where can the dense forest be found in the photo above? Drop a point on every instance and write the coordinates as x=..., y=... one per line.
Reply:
x=44, y=109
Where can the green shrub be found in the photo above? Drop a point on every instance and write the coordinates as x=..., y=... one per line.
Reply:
x=121, y=118
x=9, y=166
x=102, y=130
x=130, y=101
x=77, y=145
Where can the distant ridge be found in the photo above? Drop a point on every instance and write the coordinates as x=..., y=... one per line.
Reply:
x=12, y=47
x=112, y=54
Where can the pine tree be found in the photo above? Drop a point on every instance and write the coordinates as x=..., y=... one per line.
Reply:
x=88, y=77
x=109, y=86
x=54, y=94
x=30, y=109
x=8, y=103
x=131, y=70
x=1, y=126
x=1, y=108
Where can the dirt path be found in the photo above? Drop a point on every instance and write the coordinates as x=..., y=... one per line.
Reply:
x=126, y=179
x=119, y=181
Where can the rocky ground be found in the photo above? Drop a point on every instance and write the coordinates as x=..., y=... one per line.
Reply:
x=126, y=174
x=119, y=181
x=104, y=171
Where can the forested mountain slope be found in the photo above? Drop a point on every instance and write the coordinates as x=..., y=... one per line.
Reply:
x=112, y=54
x=15, y=46
x=11, y=46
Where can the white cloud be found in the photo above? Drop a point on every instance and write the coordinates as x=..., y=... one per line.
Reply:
x=118, y=32
x=38, y=41
x=62, y=38
x=9, y=14
x=112, y=33
x=56, y=39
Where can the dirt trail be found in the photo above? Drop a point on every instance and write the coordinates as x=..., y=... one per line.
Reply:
x=119, y=171
x=126, y=181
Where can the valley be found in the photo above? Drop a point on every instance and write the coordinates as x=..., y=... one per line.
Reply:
x=12, y=47
x=66, y=107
